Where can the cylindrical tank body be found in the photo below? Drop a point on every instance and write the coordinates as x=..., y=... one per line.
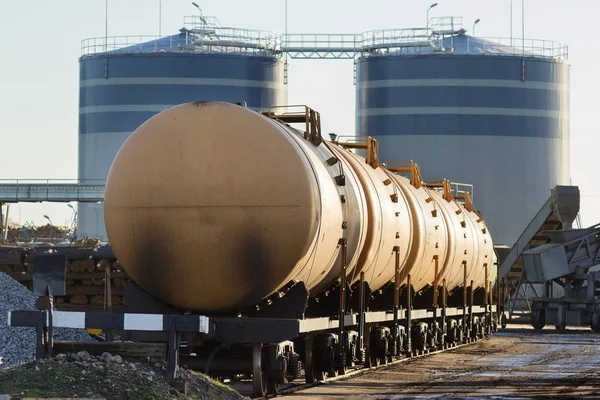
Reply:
x=122, y=88
x=429, y=240
x=213, y=207
x=478, y=113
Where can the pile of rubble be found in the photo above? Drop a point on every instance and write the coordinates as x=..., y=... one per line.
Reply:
x=17, y=344
x=106, y=376
x=28, y=233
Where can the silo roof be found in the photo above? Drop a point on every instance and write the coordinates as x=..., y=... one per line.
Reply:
x=164, y=44
x=462, y=43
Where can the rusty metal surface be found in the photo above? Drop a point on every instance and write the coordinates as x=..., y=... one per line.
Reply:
x=211, y=206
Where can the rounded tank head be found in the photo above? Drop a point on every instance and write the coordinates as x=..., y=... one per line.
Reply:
x=209, y=207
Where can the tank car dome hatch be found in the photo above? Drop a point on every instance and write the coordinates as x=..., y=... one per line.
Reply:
x=201, y=232
x=126, y=80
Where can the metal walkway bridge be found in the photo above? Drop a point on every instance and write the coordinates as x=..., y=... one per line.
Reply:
x=46, y=190
x=204, y=34
x=51, y=190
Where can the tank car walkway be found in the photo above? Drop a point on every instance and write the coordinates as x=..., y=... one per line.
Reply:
x=16, y=191
x=515, y=363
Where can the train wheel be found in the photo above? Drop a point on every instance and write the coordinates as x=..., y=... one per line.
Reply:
x=272, y=385
x=383, y=359
x=341, y=363
x=374, y=360
x=309, y=364
x=259, y=379
x=319, y=375
x=539, y=319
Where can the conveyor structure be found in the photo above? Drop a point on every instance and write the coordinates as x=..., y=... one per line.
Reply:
x=571, y=260
x=558, y=212
x=47, y=190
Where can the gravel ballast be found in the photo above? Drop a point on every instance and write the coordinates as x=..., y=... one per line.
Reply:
x=17, y=345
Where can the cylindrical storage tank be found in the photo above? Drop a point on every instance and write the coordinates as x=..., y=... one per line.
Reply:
x=123, y=86
x=473, y=111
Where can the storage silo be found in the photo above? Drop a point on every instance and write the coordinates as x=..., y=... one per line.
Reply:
x=472, y=110
x=127, y=80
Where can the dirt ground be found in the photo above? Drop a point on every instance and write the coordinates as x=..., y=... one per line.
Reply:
x=517, y=363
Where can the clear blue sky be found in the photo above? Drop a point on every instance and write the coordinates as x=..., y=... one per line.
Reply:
x=40, y=44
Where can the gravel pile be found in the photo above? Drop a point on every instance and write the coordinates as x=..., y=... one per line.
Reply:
x=17, y=345
x=107, y=376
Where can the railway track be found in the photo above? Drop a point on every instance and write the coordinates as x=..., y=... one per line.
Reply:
x=245, y=388
x=245, y=385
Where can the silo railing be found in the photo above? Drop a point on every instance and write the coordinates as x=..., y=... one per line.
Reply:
x=441, y=35
x=198, y=40
x=502, y=46
x=129, y=44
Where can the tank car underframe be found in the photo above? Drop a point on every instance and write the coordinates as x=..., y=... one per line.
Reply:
x=272, y=344
x=273, y=349
x=292, y=329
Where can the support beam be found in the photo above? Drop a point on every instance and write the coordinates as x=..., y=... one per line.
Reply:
x=124, y=349
x=360, y=349
x=436, y=332
x=443, y=316
x=436, y=281
x=471, y=306
x=341, y=367
x=464, y=320
x=395, y=330
x=408, y=316
x=487, y=290
x=2, y=223
x=5, y=237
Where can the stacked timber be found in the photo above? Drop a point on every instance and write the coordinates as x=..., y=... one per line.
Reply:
x=86, y=275
x=18, y=233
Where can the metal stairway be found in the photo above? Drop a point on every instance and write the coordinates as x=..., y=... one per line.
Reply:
x=557, y=213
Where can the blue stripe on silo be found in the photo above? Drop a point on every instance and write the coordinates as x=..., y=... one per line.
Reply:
x=181, y=65
x=473, y=119
x=465, y=67
x=112, y=121
x=171, y=94
x=477, y=125
x=433, y=96
x=471, y=67
x=120, y=92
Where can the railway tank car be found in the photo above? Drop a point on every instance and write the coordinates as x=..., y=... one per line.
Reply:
x=212, y=207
